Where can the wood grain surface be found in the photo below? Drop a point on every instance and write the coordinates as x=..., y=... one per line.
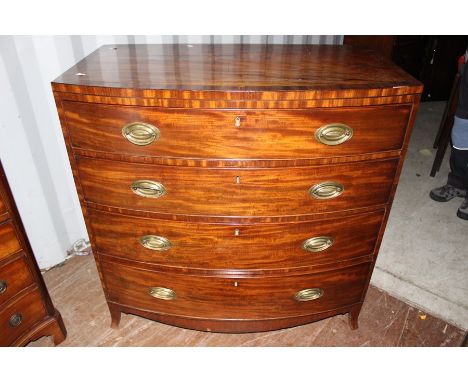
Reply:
x=3, y=209
x=9, y=243
x=232, y=298
x=16, y=275
x=236, y=71
x=263, y=134
x=235, y=247
x=260, y=192
x=384, y=321
x=219, y=177
x=25, y=291
x=30, y=306
x=231, y=101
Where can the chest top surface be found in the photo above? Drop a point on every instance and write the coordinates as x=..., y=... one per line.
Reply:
x=339, y=71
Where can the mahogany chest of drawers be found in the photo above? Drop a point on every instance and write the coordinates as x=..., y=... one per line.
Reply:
x=236, y=188
x=26, y=310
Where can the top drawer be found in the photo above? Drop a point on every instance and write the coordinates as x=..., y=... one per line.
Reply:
x=239, y=134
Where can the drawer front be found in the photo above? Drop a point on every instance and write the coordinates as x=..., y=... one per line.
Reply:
x=228, y=298
x=3, y=209
x=8, y=240
x=235, y=192
x=20, y=316
x=14, y=277
x=241, y=134
x=218, y=246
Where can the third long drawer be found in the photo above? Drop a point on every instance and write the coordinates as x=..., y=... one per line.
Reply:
x=225, y=246
x=237, y=191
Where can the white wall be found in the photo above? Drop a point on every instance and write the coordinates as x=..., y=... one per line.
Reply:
x=31, y=144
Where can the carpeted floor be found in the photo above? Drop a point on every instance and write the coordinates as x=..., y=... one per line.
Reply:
x=424, y=253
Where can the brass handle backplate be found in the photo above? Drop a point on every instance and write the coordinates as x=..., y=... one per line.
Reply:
x=15, y=320
x=308, y=294
x=317, y=244
x=162, y=293
x=3, y=286
x=148, y=188
x=326, y=190
x=140, y=133
x=155, y=243
x=334, y=134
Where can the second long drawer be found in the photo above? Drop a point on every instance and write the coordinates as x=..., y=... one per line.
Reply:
x=218, y=246
x=236, y=192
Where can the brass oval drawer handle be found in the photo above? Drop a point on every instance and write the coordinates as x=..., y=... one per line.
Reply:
x=148, y=188
x=155, y=243
x=317, y=244
x=15, y=320
x=326, y=190
x=3, y=286
x=140, y=133
x=334, y=134
x=308, y=294
x=162, y=293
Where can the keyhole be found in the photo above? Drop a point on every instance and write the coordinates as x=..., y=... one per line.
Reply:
x=236, y=284
x=238, y=121
x=238, y=179
x=237, y=232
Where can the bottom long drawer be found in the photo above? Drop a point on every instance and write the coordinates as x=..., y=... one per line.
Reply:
x=234, y=298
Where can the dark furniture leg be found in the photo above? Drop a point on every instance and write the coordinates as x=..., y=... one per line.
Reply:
x=115, y=315
x=353, y=316
x=59, y=333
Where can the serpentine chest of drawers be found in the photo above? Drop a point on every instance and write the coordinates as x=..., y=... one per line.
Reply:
x=235, y=188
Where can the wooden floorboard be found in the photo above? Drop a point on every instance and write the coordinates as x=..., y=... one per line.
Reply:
x=384, y=321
